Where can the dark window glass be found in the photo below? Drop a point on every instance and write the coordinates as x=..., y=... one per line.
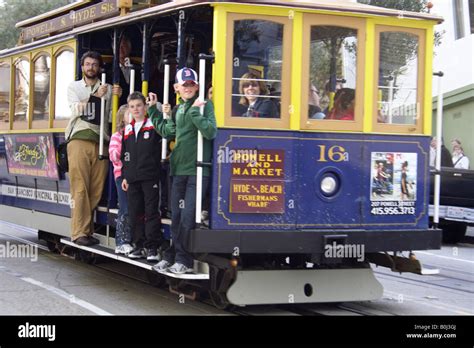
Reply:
x=458, y=19
x=398, y=78
x=64, y=76
x=22, y=89
x=41, y=90
x=257, y=72
x=333, y=73
x=471, y=15
x=4, y=94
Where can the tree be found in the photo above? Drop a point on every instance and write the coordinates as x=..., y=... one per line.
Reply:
x=398, y=50
x=14, y=11
x=404, y=5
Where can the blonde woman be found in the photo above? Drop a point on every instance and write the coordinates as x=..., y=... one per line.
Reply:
x=253, y=92
x=123, y=234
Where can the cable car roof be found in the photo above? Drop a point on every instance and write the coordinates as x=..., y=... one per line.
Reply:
x=343, y=6
x=329, y=5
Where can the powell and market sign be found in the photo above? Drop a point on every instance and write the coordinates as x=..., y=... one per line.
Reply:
x=106, y=8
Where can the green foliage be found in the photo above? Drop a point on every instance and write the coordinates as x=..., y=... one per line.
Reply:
x=14, y=11
x=405, y=5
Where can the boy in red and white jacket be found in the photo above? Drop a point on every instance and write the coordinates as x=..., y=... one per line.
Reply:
x=141, y=158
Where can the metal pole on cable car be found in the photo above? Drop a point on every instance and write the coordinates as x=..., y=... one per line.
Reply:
x=132, y=81
x=132, y=89
x=181, y=39
x=115, y=77
x=200, y=148
x=166, y=84
x=145, y=58
x=439, y=134
x=102, y=123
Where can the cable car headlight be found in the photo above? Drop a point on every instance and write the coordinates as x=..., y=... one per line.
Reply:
x=329, y=185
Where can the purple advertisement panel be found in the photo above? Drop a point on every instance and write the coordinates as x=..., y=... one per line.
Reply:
x=31, y=155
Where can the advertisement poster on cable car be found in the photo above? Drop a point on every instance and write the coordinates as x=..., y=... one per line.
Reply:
x=393, y=183
x=31, y=155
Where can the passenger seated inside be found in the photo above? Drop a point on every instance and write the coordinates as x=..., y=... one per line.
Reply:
x=314, y=107
x=344, y=103
x=253, y=92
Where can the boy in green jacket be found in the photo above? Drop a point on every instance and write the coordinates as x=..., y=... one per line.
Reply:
x=184, y=128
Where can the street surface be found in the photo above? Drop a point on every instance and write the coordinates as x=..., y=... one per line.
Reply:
x=52, y=284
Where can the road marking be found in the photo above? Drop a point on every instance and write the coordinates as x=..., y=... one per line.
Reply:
x=25, y=241
x=458, y=310
x=70, y=297
x=444, y=257
x=61, y=293
x=19, y=227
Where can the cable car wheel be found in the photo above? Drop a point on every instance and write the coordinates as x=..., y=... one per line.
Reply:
x=155, y=279
x=85, y=256
x=219, y=299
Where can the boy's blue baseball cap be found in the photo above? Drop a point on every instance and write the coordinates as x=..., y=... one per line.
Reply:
x=186, y=74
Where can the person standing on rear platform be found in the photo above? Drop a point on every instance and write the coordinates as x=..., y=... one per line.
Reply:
x=141, y=157
x=86, y=172
x=123, y=234
x=183, y=165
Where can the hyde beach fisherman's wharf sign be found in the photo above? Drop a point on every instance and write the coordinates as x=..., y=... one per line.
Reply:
x=89, y=14
x=257, y=183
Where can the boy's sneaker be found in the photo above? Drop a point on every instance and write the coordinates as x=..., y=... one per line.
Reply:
x=179, y=268
x=205, y=218
x=153, y=256
x=161, y=266
x=138, y=253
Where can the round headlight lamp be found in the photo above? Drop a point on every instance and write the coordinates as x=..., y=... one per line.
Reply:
x=328, y=185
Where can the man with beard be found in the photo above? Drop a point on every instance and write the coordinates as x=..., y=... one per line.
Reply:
x=86, y=172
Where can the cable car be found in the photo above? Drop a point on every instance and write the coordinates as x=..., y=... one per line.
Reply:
x=320, y=165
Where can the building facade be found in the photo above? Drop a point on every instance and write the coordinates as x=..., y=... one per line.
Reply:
x=455, y=58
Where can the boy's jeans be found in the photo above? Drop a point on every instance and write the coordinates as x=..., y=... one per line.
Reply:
x=183, y=210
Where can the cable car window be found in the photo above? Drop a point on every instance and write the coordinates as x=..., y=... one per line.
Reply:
x=397, y=100
x=41, y=88
x=333, y=73
x=4, y=95
x=22, y=90
x=64, y=76
x=257, y=69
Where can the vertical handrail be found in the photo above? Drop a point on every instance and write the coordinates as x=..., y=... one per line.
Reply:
x=102, y=121
x=164, y=142
x=145, y=72
x=391, y=83
x=132, y=81
x=439, y=132
x=200, y=141
x=132, y=89
x=115, y=77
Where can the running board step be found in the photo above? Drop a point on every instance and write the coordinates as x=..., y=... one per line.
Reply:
x=201, y=268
